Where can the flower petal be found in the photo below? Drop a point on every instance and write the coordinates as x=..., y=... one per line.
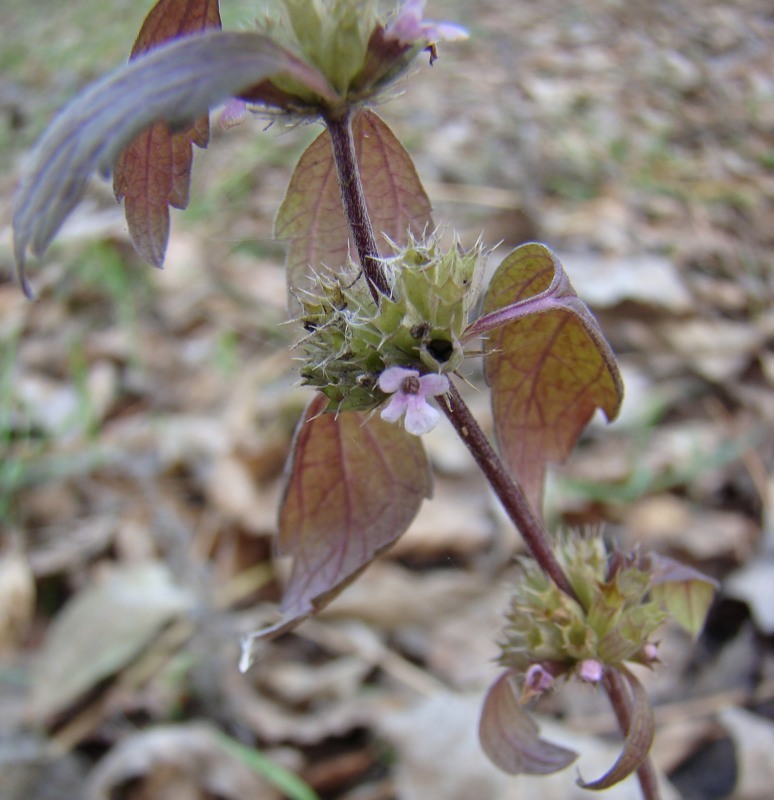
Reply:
x=421, y=417
x=409, y=26
x=395, y=409
x=391, y=380
x=432, y=384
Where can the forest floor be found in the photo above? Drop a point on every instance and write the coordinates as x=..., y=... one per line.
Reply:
x=145, y=417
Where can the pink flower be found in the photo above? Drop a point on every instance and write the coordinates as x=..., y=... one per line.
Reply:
x=410, y=391
x=537, y=680
x=591, y=670
x=234, y=113
x=409, y=26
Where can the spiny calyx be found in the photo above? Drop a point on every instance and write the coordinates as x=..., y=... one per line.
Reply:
x=351, y=340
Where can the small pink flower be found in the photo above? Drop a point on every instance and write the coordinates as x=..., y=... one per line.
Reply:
x=650, y=652
x=234, y=113
x=591, y=670
x=538, y=680
x=409, y=26
x=410, y=392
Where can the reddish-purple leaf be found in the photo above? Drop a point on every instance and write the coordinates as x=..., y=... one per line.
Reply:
x=638, y=741
x=510, y=737
x=547, y=363
x=154, y=171
x=312, y=217
x=176, y=82
x=355, y=483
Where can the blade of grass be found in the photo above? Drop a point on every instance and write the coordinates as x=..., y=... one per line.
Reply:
x=289, y=784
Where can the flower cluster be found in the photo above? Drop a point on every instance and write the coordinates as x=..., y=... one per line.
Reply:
x=345, y=40
x=611, y=620
x=350, y=342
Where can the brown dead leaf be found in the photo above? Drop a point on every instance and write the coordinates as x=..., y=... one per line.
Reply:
x=100, y=631
x=651, y=280
x=753, y=737
x=181, y=762
x=17, y=594
x=717, y=349
x=391, y=597
x=754, y=584
x=667, y=521
x=455, y=523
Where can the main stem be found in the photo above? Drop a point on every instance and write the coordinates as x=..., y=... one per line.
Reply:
x=507, y=490
x=505, y=487
x=355, y=208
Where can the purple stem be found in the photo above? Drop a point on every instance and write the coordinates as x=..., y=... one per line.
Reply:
x=355, y=207
x=505, y=487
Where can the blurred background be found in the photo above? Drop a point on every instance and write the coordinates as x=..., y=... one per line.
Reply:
x=145, y=417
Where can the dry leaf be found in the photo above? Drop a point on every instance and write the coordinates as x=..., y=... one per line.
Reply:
x=184, y=762
x=101, y=630
x=753, y=738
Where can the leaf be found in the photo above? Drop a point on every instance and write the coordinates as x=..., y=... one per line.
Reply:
x=546, y=361
x=100, y=631
x=355, y=483
x=510, y=737
x=311, y=216
x=639, y=737
x=176, y=82
x=684, y=593
x=154, y=171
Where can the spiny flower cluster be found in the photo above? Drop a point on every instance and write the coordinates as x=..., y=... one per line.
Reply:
x=351, y=341
x=611, y=621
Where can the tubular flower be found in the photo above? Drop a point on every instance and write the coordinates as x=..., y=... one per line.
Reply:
x=410, y=392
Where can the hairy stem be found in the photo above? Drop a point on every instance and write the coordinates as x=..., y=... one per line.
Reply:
x=507, y=490
x=355, y=207
x=620, y=700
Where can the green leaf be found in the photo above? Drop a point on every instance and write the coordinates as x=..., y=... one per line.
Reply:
x=355, y=483
x=639, y=736
x=546, y=361
x=682, y=591
x=154, y=171
x=311, y=216
x=510, y=737
x=176, y=82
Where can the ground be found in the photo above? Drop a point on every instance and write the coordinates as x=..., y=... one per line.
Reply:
x=145, y=417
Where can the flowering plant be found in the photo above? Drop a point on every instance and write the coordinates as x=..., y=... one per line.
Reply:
x=388, y=317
